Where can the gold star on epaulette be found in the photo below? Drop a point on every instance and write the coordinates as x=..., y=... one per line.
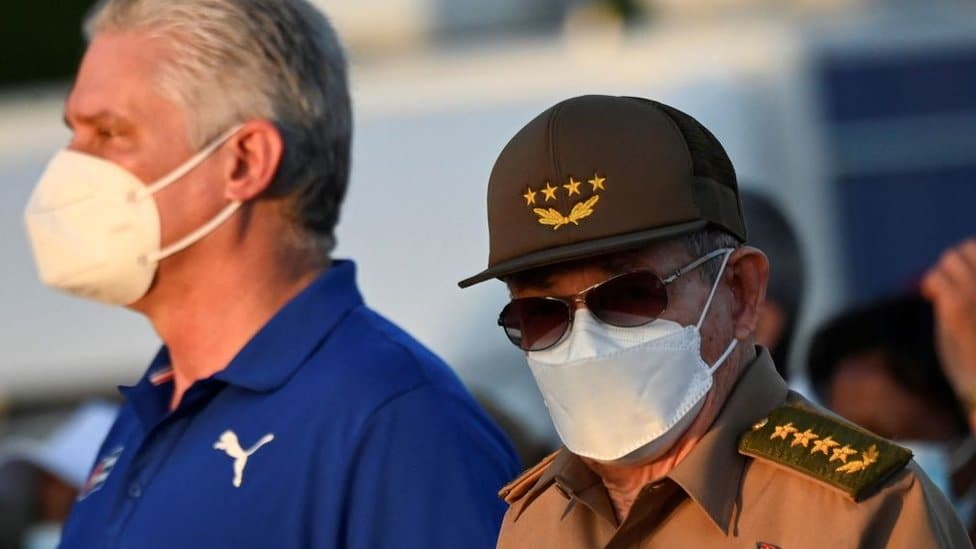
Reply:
x=781, y=431
x=529, y=197
x=804, y=438
x=824, y=445
x=843, y=453
x=866, y=460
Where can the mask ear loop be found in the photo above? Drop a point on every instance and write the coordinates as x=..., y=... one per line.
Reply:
x=708, y=305
x=718, y=279
x=196, y=235
x=174, y=176
x=721, y=360
x=185, y=167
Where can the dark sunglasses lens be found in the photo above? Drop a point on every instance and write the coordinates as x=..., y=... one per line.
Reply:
x=629, y=300
x=535, y=323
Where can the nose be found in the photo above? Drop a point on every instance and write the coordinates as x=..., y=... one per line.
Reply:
x=78, y=144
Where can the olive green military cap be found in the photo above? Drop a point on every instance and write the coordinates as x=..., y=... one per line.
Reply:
x=597, y=174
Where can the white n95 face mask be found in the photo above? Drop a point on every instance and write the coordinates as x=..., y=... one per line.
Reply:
x=625, y=395
x=94, y=226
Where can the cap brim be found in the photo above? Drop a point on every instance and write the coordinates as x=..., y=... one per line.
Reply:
x=582, y=250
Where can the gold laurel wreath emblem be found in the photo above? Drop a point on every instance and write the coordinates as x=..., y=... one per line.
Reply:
x=556, y=219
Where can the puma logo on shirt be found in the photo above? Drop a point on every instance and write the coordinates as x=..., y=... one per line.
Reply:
x=231, y=446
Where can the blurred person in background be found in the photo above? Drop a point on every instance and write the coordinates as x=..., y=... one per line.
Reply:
x=617, y=226
x=208, y=162
x=43, y=475
x=951, y=287
x=772, y=232
x=877, y=365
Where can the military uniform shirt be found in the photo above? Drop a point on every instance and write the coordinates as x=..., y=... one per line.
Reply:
x=330, y=428
x=718, y=497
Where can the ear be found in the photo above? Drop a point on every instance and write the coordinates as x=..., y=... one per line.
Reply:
x=257, y=149
x=747, y=275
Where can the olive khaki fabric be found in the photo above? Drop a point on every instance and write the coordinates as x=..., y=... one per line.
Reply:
x=720, y=497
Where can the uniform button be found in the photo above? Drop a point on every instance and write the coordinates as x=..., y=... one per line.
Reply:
x=135, y=490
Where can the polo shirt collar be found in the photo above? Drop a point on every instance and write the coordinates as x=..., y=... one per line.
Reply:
x=276, y=352
x=711, y=473
x=149, y=402
x=279, y=348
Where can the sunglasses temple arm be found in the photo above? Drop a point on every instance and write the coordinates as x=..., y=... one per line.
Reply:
x=695, y=264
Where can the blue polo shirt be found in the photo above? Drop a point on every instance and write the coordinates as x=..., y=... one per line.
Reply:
x=331, y=428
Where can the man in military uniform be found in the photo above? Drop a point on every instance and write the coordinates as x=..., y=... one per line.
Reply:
x=617, y=226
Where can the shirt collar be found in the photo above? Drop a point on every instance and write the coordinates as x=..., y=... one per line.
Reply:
x=149, y=402
x=711, y=473
x=276, y=352
x=273, y=355
x=575, y=481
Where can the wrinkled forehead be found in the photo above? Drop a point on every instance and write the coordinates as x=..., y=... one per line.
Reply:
x=662, y=258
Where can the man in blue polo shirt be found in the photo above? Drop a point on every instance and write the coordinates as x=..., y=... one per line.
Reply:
x=208, y=160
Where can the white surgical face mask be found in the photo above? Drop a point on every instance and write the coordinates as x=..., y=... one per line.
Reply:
x=95, y=229
x=625, y=395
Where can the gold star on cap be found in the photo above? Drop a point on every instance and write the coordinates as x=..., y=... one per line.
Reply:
x=552, y=217
x=550, y=191
x=572, y=186
x=597, y=182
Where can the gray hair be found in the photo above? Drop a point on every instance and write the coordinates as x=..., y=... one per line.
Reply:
x=278, y=60
x=702, y=242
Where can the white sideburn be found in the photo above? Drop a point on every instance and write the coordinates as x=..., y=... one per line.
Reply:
x=624, y=395
x=95, y=230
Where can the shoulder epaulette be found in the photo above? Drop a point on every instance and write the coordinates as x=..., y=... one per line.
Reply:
x=825, y=448
x=513, y=491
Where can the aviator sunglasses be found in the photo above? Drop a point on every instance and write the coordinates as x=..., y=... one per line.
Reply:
x=626, y=300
